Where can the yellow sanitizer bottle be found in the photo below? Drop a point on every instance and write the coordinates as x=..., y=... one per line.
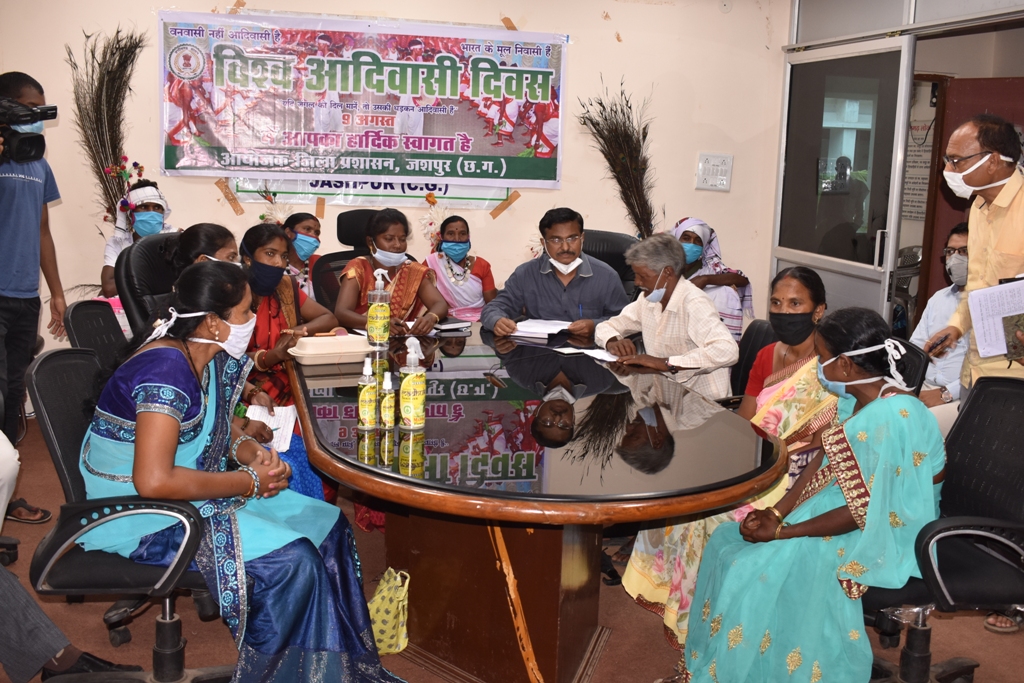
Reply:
x=378, y=315
x=366, y=393
x=412, y=396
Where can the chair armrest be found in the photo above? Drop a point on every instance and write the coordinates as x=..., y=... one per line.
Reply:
x=77, y=518
x=730, y=402
x=1003, y=532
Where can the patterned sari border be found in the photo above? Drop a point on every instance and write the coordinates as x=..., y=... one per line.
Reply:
x=847, y=471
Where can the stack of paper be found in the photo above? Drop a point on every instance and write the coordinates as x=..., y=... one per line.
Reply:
x=282, y=422
x=988, y=308
x=539, y=329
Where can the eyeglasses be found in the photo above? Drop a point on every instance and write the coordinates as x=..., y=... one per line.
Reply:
x=953, y=161
x=571, y=241
x=561, y=424
x=947, y=252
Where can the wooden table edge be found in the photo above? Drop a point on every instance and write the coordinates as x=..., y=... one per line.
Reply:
x=525, y=511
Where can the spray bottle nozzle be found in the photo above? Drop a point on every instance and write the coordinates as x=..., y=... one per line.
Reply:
x=380, y=274
x=387, y=381
x=414, y=354
x=367, y=368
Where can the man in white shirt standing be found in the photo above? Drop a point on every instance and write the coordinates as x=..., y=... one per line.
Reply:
x=682, y=332
x=941, y=391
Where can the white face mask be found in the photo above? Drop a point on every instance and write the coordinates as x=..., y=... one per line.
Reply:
x=648, y=415
x=956, y=266
x=389, y=259
x=562, y=393
x=566, y=268
x=237, y=341
x=960, y=187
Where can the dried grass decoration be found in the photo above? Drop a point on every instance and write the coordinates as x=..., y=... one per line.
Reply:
x=101, y=84
x=620, y=134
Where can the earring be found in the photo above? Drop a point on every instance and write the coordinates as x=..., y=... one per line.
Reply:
x=216, y=335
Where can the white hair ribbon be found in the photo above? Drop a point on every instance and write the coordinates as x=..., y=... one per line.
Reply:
x=164, y=325
x=894, y=351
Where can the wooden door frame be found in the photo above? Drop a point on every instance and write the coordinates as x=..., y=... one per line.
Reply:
x=934, y=178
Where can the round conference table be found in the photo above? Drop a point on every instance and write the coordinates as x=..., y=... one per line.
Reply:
x=502, y=536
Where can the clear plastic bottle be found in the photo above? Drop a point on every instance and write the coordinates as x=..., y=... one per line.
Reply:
x=378, y=315
x=412, y=387
x=387, y=403
x=366, y=392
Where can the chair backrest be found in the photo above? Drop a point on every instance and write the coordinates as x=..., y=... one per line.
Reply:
x=145, y=278
x=610, y=247
x=908, y=266
x=60, y=383
x=352, y=229
x=759, y=334
x=985, y=453
x=92, y=325
x=324, y=276
x=915, y=365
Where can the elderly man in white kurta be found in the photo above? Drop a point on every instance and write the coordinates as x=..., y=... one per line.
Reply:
x=682, y=332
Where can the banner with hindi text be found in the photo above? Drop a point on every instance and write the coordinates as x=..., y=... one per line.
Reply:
x=292, y=97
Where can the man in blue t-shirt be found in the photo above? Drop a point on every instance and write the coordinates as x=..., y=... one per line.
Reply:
x=25, y=246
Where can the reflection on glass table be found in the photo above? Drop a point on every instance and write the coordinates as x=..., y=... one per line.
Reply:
x=534, y=423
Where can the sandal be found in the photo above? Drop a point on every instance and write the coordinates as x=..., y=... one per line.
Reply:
x=1017, y=620
x=20, y=504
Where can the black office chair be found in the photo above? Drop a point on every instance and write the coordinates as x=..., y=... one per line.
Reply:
x=92, y=325
x=759, y=334
x=915, y=365
x=352, y=230
x=145, y=278
x=59, y=383
x=977, y=543
x=611, y=247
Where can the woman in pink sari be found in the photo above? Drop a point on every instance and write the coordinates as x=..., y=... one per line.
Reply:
x=464, y=281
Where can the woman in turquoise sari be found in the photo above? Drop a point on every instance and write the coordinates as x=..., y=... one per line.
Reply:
x=283, y=566
x=778, y=595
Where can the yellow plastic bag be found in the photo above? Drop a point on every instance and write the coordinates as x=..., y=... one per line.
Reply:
x=389, y=608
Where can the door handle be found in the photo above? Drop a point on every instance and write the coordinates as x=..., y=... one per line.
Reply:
x=878, y=247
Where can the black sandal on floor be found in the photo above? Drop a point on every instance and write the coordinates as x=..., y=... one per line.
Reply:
x=20, y=504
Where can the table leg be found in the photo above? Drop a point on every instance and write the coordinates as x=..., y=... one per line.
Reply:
x=462, y=617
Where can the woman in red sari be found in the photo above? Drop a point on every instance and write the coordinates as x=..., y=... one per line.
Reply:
x=414, y=296
x=284, y=314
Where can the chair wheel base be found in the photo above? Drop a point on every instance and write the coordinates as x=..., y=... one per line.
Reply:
x=212, y=674
x=119, y=636
x=953, y=670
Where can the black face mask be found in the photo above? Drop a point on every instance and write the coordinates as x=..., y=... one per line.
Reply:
x=792, y=328
x=264, y=279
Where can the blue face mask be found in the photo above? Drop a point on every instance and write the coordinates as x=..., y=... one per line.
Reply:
x=657, y=294
x=456, y=251
x=147, y=223
x=305, y=246
x=693, y=252
x=847, y=401
x=36, y=127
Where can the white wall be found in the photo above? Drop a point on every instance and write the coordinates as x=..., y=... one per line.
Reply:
x=715, y=80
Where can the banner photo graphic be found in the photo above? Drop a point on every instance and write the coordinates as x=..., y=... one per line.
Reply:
x=337, y=192
x=291, y=97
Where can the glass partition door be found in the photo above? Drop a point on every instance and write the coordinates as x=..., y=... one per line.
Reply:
x=842, y=167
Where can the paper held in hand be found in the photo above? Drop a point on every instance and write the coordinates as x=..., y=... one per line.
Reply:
x=282, y=422
x=988, y=308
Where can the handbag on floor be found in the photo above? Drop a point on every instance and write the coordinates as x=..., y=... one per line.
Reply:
x=389, y=608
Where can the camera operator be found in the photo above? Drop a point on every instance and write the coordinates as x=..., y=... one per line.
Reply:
x=25, y=246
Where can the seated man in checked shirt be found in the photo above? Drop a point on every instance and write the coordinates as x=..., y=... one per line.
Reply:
x=682, y=332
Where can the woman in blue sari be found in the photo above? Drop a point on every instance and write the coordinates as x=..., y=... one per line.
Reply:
x=283, y=566
x=778, y=595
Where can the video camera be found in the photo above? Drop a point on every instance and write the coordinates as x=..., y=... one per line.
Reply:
x=22, y=147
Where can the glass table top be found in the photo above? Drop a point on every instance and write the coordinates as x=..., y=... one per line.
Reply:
x=533, y=422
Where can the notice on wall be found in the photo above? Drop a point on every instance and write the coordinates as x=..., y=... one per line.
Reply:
x=280, y=97
x=918, y=168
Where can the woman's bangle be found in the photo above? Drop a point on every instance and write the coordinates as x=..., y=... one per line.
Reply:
x=252, y=392
x=254, y=490
x=437, y=318
x=237, y=443
x=775, y=512
x=256, y=360
x=245, y=423
x=778, y=529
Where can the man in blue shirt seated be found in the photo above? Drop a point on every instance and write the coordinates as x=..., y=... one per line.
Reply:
x=561, y=284
x=941, y=391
